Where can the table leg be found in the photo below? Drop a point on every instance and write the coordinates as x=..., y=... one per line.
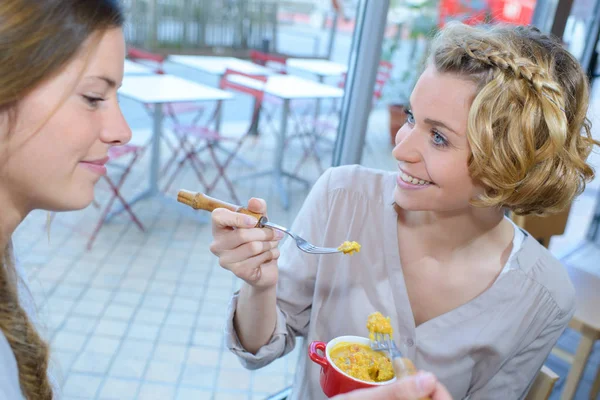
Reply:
x=218, y=116
x=280, y=148
x=576, y=371
x=318, y=102
x=156, y=137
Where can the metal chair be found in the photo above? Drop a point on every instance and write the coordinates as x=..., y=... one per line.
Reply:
x=134, y=152
x=207, y=139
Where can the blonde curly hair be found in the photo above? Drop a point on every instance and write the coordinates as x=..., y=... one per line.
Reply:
x=527, y=127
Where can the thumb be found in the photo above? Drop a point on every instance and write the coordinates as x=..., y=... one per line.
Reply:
x=257, y=205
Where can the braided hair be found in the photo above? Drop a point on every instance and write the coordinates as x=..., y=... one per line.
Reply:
x=527, y=128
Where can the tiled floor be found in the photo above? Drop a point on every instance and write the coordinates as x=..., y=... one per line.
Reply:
x=141, y=315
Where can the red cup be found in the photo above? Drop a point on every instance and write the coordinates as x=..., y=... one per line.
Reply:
x=333, y=380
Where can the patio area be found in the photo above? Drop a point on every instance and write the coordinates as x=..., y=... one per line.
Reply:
x=141, y=315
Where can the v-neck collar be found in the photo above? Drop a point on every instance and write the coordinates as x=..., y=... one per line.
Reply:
x=407, y=332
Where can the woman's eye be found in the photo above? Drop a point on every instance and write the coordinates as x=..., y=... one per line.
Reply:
x=438, y=140
x=410, y=118
x=93, y=102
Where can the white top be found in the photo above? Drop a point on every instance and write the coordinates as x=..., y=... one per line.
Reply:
x=317, y=66
x=218, y=65
x=133, y=68
x=290, y=87
x=518, y=240
x=168, y=89
x=489, y=348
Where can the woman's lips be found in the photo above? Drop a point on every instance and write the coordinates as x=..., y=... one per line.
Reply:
x=97, y=166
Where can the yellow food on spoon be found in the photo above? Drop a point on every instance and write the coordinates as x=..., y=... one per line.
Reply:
x=377, y=323
x=349, y=247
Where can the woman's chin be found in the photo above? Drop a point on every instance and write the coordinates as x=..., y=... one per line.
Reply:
x=408, y=201
x=75, y=202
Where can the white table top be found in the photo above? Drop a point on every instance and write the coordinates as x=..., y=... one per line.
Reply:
x=317, y=66
x=168, y=89
x=133, y=68
x=218, y=65
x=290, y=87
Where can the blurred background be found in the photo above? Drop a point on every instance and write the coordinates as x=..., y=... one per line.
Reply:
x=128, y=293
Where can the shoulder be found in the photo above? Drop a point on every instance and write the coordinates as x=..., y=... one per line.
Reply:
x=548, y=274
x=359, y=180
x=9, y=373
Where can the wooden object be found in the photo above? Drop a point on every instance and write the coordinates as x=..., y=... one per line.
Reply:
x=543, y=228
x=542, y=385
x=587, y=322
x=199, y=201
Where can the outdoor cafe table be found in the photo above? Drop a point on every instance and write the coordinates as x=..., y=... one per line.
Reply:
x=217, y=65
x=158, y=90
x=286, y=88
x=133, y=68
x=319, y=67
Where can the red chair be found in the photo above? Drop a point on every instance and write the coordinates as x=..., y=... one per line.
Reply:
x=323, y=127
x=206, y=139
x=152, y=60
x=278, y=64
x=134, y=152
x=384, y=72
x=275, y=62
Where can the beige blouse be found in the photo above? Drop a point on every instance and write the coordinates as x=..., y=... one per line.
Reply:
x=488, y=348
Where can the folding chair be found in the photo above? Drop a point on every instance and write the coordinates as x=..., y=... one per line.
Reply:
x=208, y=139
x=173, y=111
x=324, y=127
x=275, y=62
x=278, y=64
x=135, y=152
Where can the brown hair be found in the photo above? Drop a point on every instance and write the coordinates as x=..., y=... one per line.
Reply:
x=528, y=130
x=38, y=38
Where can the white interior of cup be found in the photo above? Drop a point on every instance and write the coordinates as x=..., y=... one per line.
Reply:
x=351, y=339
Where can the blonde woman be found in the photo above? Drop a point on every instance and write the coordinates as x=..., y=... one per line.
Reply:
x=61, y=62
x=497, y=122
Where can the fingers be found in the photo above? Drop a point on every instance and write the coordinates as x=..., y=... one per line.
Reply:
x=227, y=239
x=249, y=250
x=225, y=219
x=251, y=270
x=257, y=205
x=412, y=387
x=440, y=392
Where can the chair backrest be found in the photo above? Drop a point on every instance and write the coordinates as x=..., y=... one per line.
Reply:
x=258, y=94
x=384, y=72
x=225, y=83
x=542, y=385
x=275, y=62
x=152, y=60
